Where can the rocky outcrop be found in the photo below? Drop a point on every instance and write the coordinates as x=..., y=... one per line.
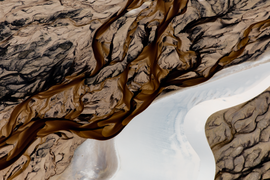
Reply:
x=239, y=139
x=85, y=68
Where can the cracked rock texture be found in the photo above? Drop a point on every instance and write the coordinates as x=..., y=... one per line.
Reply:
x=77, y=69
x=239, y=138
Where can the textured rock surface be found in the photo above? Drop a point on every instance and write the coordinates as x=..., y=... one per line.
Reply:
x=86, y=68
x=46, y=157
x=239, y=139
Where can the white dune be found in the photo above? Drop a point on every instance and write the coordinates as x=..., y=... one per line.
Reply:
x=156, y=143
x=198, y=115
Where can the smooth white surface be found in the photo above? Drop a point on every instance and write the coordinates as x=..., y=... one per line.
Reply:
x=154, y=145
x=198, y=115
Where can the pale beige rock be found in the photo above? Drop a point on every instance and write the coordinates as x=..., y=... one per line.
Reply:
x=76, y=69
x=248, y=145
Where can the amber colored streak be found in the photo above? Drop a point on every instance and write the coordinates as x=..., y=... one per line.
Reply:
x=150, y=90
x=243, y=42
x=236, y=52
x=35, y=125
x=27, y=133
x=105, y=127
x=97, y=46
x=25, y=106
